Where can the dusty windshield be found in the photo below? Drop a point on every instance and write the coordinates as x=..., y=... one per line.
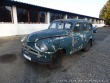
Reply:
x=61, y=25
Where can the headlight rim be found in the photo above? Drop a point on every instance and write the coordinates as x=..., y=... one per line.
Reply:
x=39, y=48
x=43, y=48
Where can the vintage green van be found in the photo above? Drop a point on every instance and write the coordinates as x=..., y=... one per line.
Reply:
x=63, y=37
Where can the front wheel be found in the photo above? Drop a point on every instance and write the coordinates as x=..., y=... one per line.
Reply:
x=56, y=60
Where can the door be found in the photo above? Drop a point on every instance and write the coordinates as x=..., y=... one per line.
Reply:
x=78, y=37
x=87, y=32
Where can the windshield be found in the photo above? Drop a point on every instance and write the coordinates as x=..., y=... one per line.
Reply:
x=60, y=25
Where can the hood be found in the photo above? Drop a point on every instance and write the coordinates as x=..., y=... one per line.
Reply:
x=46, y=33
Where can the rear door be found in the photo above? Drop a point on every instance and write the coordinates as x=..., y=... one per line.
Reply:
x=78, y=36
x=87, y=32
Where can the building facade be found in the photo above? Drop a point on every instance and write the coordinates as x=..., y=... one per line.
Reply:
x=17, y=18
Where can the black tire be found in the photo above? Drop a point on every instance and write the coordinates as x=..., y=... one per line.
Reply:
x=87, y=48
x=56, y=60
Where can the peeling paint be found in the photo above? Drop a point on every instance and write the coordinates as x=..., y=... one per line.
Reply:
x=90, y=37
x=50, y=40
x=59, y=38
x=36, y=40
x=53, y=47
x=49, y=52
x=45, y=56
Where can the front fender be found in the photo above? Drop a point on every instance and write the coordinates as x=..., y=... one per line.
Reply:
x=48, y=42
x=57, y=43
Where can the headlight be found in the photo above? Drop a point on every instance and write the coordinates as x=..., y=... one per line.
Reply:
x=23, y=39
x=43, y=48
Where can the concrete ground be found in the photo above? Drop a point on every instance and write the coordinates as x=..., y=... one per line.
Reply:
x=83, y=67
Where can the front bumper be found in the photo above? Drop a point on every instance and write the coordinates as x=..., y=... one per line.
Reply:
x=33, y=56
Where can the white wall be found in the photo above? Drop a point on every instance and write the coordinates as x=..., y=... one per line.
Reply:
x=8, y=30
x=99, y=25
x=20, y=29
x=29, y=28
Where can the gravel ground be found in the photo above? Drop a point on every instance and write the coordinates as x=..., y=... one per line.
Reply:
x=83, y=67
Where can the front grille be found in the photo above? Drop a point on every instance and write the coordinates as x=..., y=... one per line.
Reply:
x=33, y=51
x=29, y=49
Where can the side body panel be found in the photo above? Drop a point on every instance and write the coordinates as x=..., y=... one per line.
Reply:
x=63, y=43
x=87, y=34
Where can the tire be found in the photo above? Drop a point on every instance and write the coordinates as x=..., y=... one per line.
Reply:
x=87, y=48
x=56, y=60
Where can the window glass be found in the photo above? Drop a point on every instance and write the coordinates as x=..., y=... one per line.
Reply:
x=70, y=16
x=42, y=17
x=68, y=26
x=80, y=17
x=54, y=16
x=53, y=26
x=86, y=27
x=77, y=27
x=33, y=16
x=5, y=14
x=22, y=15
x=60, y=25
x=57, y=16
x=62, y=16
x=89, y=26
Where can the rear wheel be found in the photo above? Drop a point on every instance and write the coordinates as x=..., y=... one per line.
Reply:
x=87, y=48
x=56, y=60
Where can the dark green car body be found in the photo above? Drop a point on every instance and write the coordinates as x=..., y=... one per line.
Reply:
x=70, y=35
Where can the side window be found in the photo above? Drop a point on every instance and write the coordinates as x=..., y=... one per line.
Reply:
x=90, y=26
x=87, y=27
x=77, y=27
x=53, y=25
x=60, y=25
x=68, y=25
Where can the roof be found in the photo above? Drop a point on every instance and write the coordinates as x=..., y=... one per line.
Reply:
x=73, y=20
x=31, y=6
